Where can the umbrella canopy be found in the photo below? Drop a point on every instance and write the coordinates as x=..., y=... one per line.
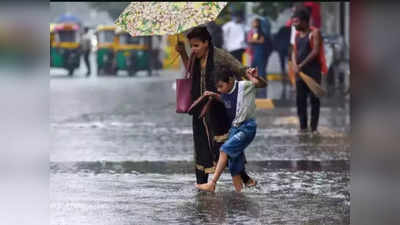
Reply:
x=166, y=18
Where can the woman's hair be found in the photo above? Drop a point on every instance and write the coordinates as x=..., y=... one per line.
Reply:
x=258, y=21
x=259, y=30
x=223, y=74
x=200, y=33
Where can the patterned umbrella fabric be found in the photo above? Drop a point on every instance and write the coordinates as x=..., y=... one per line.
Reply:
x=166, y=18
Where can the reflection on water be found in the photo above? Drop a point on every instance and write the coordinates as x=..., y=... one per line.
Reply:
x=218, y=208
x=120, y=159
x=145, y=141
x=281, y=197
x=185, y=167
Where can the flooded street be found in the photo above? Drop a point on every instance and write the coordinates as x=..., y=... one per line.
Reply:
x=120, y=155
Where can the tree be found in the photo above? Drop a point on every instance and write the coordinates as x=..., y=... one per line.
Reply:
x=226, y=13
x=114, y=9
x=270, y=9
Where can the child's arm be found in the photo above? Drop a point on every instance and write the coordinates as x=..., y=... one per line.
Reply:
x=252, y=75
x=214, y=95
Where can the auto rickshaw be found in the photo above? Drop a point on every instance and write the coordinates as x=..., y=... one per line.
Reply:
x=132, y=53
x=105, y=49
x=52, y=48
x=65, y=46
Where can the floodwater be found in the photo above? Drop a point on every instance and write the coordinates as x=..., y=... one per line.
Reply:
x=121, y=156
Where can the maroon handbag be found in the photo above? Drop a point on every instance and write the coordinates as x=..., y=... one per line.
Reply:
x=184, y=89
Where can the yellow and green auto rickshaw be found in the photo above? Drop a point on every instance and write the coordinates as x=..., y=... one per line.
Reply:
x=132, y=53
x=65, y=46
x=52, y=26
x=105, y=49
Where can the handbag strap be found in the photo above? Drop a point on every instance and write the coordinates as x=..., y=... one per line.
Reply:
x=206, y=107
x=189, y=66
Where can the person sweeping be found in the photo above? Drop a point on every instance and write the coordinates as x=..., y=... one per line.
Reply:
x=307, y=58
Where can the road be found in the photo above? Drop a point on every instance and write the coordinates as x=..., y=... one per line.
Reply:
x=121, y=155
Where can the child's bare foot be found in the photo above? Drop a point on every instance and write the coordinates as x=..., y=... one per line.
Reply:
x=210, y=186
x=237, y=183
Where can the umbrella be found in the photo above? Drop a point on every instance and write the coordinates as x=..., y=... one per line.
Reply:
x=166, y=18
x=68, y=18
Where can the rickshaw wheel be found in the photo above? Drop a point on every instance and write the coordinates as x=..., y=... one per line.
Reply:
x=132, y=73
x=113, y=71
x=70, y=72
x=99, y=70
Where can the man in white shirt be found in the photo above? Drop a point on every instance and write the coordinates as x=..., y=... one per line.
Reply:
x=234, y=36
x=86, y=48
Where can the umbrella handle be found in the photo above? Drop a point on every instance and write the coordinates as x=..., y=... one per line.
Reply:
x=172, y=62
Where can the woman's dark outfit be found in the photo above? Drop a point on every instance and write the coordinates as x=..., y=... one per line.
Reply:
x=211, y=131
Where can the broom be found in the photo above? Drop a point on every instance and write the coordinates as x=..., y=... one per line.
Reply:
x=314, y=86
x=291, y=74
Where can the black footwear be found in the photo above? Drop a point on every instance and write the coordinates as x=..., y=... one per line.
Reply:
x=251, y=183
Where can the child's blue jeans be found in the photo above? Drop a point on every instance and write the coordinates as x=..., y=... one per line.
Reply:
x=239, y=138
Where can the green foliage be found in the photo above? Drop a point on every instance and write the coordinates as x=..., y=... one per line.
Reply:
x=270, y=9
x=225, y=15
x=265, y=9
x=114, y=9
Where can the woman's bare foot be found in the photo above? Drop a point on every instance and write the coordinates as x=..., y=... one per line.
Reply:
x=210, y=186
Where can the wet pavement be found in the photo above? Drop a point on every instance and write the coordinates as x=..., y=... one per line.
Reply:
x=121, y=155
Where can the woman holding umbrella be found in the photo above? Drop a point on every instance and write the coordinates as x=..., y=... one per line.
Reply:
x=207, y=131
x=167, y=18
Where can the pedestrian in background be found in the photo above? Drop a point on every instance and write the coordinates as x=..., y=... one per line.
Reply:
x=315, y=13
x=291, y=76
x=216, y=33
x=281, y=42
x=306, y=57
x=86, y=48
x=234, y=36
x=315, y=17
x=269, y=47
x=257, y=41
